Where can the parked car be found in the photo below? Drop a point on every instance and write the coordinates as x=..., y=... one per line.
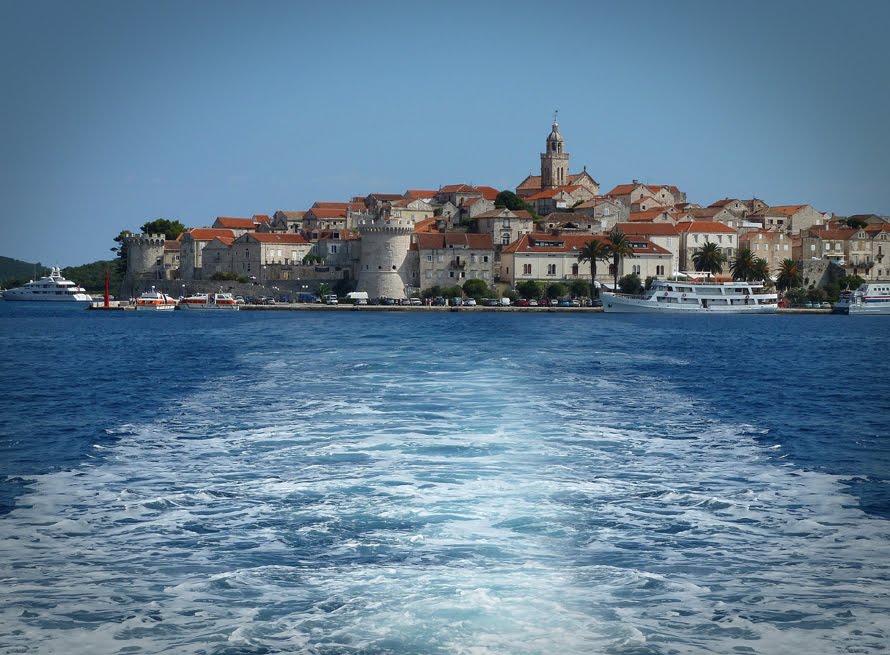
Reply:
x=576, y=302
x=564, y=303
x=361, y=301
x=470, y=302
x=490, y=302
x=826, y=305
x=387, y=301
x=808, y=305
x=546, y=302
x=416, y=301
x=239, y=300
x=596, y=302
x=532, y=303
x=439, y=301
x=522, y=302
x=457, y=302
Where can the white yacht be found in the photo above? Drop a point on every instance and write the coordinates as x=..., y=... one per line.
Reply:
x=209, y=301
x=695, y=296
x=49, y=288
x=155, y=301
x=870, y=298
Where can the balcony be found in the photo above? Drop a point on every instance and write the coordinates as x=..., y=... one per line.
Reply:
x=458, y=263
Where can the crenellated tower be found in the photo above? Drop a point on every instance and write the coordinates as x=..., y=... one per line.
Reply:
x=385, y=264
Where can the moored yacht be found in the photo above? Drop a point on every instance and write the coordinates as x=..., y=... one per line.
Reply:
x=871, y=298
x=695, y=296
x=52, y=288
x=155, y=301
x=209, y=301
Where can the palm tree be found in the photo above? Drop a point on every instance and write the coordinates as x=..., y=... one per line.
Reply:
x=789, y=275
x=594, y=251
x=760, y=270
x=620, y=247
x=742, y=267
x=709, y=258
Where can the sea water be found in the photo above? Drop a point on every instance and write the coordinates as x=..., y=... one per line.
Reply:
x=431, y=483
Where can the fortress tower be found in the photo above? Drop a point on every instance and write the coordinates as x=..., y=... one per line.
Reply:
x=385, y=263
x=145, y=256
x=555, y=161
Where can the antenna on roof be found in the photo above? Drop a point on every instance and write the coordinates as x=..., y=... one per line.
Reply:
x=556, y=116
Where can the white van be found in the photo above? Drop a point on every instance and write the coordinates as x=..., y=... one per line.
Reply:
x=331, y=299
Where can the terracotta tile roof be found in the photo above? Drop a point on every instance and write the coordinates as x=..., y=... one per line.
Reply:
x=226, y=241
x=622, y=190
x=705, y=226
x=722, y=203
x=208, y=233
x=648, y=215
x=648, y=229
x=170, y=244
x=595, y=202
x=235, y=223
x=433, y=241
x=488, y=192
x=878, y=228
x=469, y=202
x=293, y=216
x=319, y=212
x=787, y=210
x=261, y=218
x=641, y=246
x=548, y=243
x=426, y=225
x=420, y=193
x=457, y=188
x=272, y=237
x=704, y=212
x=330, y=205
x=549, y=193
x=341, y=235
x=531, y=182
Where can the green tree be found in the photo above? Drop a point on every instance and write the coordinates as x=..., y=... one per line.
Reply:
x=621, y=247
x=857, y=223
x=512, y=202
x=121, y=250
x=760, y=270
x=630, y=284
x=796, y=295
x=649, y=281
x=432, y=292
x=789, y=275
x=817, y=295
x=170, y=229
x=476, y=288
x=529, y=289
x=709, y=259
x=453, y=292
x=851, y=282
x=579, y=289
x=742, y=267
x=592, y=252
x=556, y=290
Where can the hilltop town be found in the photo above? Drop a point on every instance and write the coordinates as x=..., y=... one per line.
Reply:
x=399, y=245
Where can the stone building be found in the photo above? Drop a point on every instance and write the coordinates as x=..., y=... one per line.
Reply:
x=555, y=170
x=548, y=259
x=504, y=226
x=217, y=257
x=192, y=245
x=453, y=258
x=695, y=234
x=663, y=195
x=287, y=221
x=268, y=256
x=665, y=235
x=792, y=219
x=607, y=211
x=772, y=246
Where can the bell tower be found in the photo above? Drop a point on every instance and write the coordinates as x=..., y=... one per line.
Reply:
x=555, y=160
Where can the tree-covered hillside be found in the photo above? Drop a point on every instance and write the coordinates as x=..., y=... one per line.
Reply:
x=14, y=271
x=92, y=276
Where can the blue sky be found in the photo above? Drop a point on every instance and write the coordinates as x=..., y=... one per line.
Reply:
x=116, y=113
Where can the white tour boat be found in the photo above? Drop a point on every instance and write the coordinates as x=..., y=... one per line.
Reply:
x=52, y=287
x=870, y=298
x=155, y=301
x=695, y=296
x=210, y=301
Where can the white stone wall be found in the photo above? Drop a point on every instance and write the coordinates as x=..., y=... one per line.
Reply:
x=384, y=267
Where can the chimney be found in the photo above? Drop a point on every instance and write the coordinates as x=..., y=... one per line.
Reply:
x=636, y=181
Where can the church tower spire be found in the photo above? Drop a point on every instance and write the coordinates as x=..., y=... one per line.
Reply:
x=555, y=160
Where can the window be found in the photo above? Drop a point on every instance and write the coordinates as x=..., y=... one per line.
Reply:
x=786, y=247
x=333, y=250
x=484, y=275
x=485, y=258
x=450, y=273
x=526, y=269
x=429, y=275
x=719, y=238
x=463, y=274
x=429, y=258
x=551, y=269
x=505, y=239
x=636, y=269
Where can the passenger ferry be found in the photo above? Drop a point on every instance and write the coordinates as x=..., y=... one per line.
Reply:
x=155, y=301
x=210, y=301
x=695, y=296
x=52, y=287
x=870, y=298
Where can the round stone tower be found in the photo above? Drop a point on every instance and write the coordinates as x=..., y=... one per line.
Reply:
x=143, y=253
x=384, y=265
